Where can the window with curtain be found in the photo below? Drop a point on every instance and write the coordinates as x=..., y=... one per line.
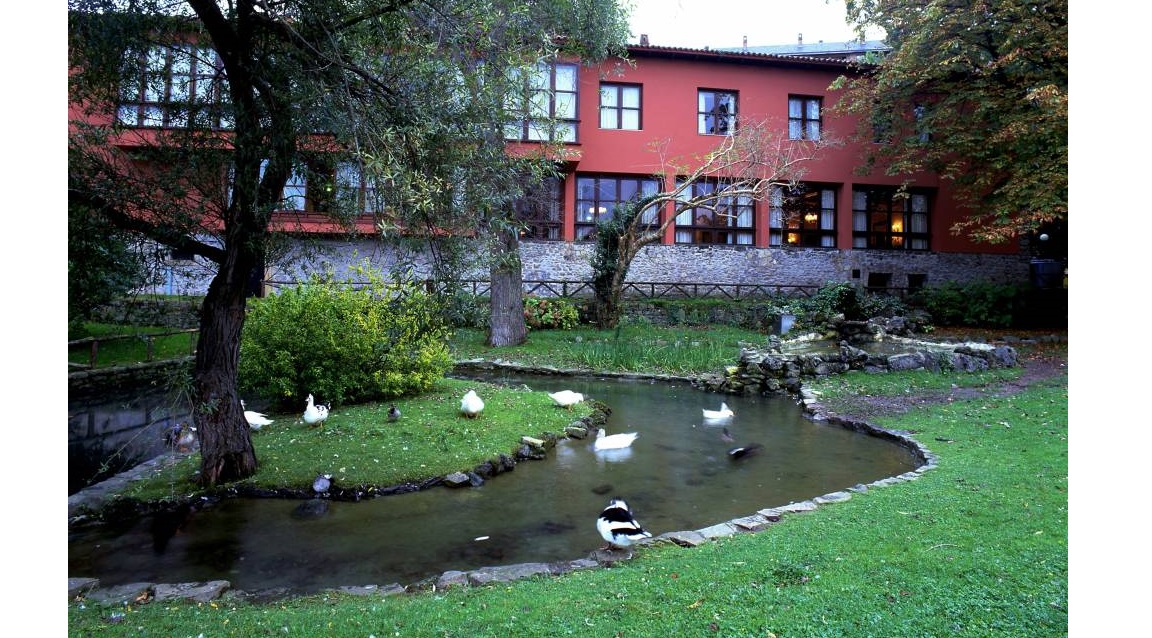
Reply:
x=598, y=196
x=313, y=185
x=540, y=210
x=620, y=106
x=722, y=219
x=804, y=117
x=716, y=112
x=545, y=110
x=357, y=191
x=178, y=86
x=803, y=216
x=885, y=218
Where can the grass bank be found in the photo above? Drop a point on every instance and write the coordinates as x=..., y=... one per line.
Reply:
x=976, y=547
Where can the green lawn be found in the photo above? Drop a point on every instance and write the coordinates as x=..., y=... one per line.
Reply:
x=977, y=546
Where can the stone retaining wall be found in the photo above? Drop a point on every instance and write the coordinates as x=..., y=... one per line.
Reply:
x=116, y=380
x=570, y=261
x=766, y=370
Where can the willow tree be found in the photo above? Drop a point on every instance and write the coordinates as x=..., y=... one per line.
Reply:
x=190, y=118
x=978, y=93
x=743, y=167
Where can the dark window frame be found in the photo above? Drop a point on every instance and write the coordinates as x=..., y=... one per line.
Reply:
x=714, y=116
x=802, y=123
x=803, y=216
x=886, y=218
x=158, y=92
x=619, y=109
x=606, y=192
x=527, y=122
x=711, y=225
x=540, y=210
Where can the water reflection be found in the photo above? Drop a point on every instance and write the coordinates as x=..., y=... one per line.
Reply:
x=676, y=476
x=107, y=435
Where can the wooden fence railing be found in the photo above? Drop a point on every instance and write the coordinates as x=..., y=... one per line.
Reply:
x=149, y=340
x=632, y=289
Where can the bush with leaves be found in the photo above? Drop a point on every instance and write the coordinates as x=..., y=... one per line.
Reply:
x=831, y=300
x=343, y=343
x=978, y=305
x=550, y=313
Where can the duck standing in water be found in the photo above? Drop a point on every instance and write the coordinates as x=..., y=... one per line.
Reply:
x=471, y=405
x=606, y=441
x=723, y=414
x=315, y=415
x=744, y=451
x=618, y=527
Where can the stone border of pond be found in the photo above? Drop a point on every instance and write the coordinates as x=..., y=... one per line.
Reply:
x=81, y=589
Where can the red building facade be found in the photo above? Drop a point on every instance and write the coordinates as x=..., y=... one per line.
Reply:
x=838, y=225
x=687, y=100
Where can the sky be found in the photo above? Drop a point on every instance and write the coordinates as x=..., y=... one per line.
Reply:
x=724, y=23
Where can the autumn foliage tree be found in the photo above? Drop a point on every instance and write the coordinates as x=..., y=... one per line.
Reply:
x=977, y=92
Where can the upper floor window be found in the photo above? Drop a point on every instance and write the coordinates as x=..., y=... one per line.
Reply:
x=620, y=106
x=721, y=220
x=546, y=108
x=882, y=217
x=597, y=198
x=803, y=118
x=919, y=114
x=716, y=112
x=178, y=86
x=356, y=191
x=802, y=216
x=539, y=210
x=885, y=125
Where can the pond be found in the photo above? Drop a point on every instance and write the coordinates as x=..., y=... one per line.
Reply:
x=676, y=476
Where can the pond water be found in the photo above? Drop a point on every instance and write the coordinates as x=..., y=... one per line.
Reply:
x=676, y=476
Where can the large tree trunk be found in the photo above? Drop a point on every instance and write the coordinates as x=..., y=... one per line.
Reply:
x=507, y=326
x=226, y=452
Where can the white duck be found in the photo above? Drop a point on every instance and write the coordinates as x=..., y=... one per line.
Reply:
x=566, y=398
x=613, y=441
x=315, y=414
x=256, y=420
x=723, y=414
x=618, y=527
x=471, y=405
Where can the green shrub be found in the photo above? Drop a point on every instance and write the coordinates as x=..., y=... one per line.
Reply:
x=343, y=344
x=980, y=305
x=830, y=301
x=550, y=313
x=466, y=310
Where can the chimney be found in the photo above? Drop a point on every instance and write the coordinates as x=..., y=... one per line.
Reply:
x=800, y=39
x=643, y=39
